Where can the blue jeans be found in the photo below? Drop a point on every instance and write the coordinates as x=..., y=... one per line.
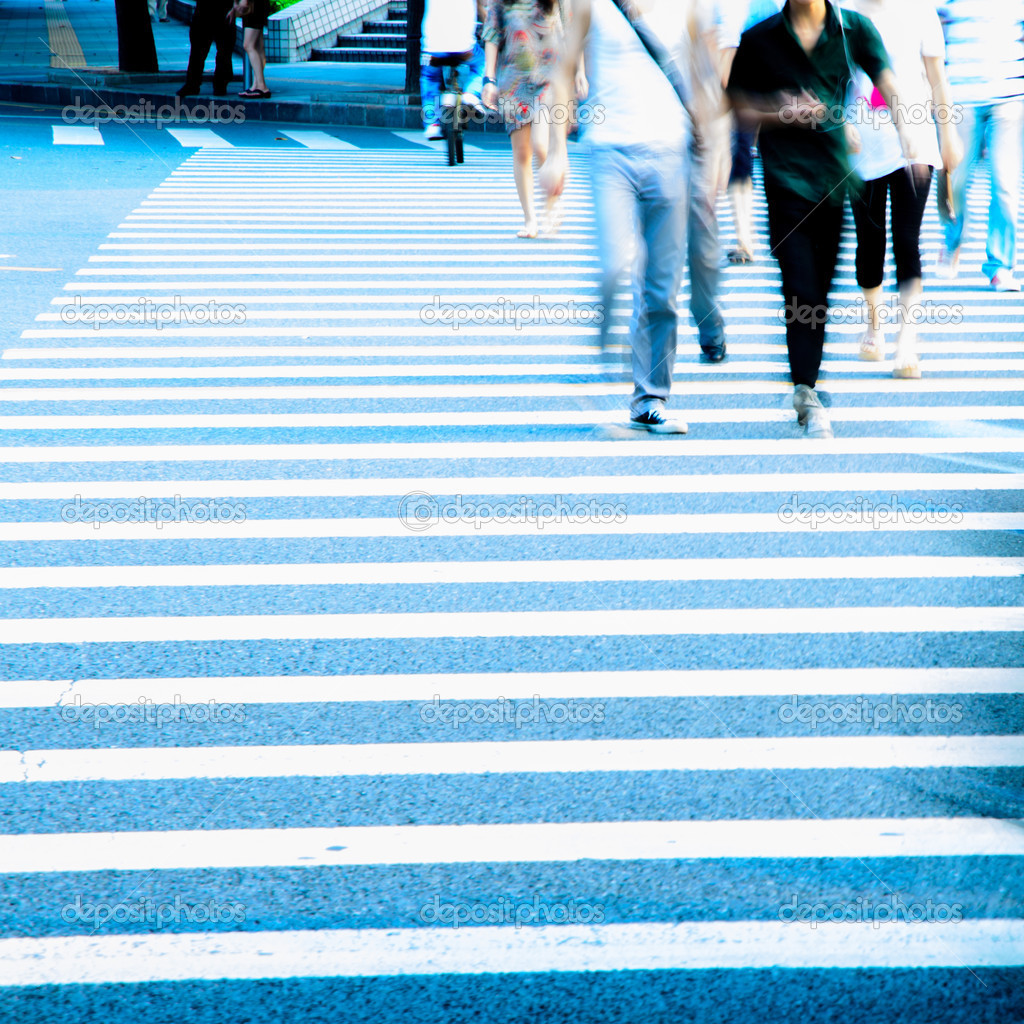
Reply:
x=704, y=254
x=997, y=128
x=471, y=78
x=640, y=201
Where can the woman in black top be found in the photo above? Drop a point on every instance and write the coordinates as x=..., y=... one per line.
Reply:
x=254, y=20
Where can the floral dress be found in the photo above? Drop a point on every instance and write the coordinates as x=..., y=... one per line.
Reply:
x=529, y=45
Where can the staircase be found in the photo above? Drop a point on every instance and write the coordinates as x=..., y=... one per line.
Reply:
x=379, y=42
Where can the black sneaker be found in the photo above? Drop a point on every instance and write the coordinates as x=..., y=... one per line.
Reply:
x=654, y=422
x=713, y=355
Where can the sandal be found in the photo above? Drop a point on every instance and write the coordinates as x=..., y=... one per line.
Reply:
x=740, y=255
x=872, y=347
x=255, y=94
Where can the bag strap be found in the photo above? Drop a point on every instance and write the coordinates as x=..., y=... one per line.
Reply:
x=657, y=52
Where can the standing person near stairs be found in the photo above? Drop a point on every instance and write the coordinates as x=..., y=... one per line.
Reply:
x=212, y=24
x=255, y=14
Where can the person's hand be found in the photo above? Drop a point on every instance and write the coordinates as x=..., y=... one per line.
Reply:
x=952, y=150
x=582, y=86
x=853, y=143
x=908, y=145
x=803, y=109
x=489, y=97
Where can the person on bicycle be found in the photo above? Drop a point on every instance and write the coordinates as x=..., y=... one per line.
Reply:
x=450, y=26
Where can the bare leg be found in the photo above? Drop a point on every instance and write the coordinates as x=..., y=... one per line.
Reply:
x=522, y=156
x=872, y=343
x=742, y=195
x=906, y=340
x=253, y=46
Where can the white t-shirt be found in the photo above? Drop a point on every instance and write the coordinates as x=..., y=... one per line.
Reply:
x=631, y=101
x=911, y=31
x=449, y=26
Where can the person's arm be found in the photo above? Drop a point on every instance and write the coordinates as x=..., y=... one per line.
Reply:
x=491, y=35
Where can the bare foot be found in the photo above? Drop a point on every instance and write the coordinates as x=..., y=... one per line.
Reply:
x=528, y=230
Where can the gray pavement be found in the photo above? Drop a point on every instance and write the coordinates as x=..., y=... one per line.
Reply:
x=510, y=720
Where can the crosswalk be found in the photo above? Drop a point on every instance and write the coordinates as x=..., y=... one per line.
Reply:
x=355, y=666
x=212, y=138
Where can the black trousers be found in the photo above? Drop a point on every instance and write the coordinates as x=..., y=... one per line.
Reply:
x=907, y=202
x=210, y=27
x=805, y=240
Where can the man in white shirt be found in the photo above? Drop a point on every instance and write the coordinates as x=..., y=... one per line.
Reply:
x=637, y=133
x=985, y=62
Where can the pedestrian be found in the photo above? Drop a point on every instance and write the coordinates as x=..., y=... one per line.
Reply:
x=738, y=16
x=158, y=8
x=213, y=23
x=524, y=39
x=912, y=34
x=638, y=160
x=790, y=78
x=255, y=14
x=985, y=62
x=450, y=27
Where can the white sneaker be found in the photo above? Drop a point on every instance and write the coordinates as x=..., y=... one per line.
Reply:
x=1004, y=281
x=433, y=132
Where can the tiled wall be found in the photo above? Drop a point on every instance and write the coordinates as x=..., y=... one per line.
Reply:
x=292, y=33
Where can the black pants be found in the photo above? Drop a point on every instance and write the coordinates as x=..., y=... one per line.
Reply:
x=805, y=240
x=210, y=26
x=907, y=202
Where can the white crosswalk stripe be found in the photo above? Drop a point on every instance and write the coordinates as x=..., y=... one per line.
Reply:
x=302, y=614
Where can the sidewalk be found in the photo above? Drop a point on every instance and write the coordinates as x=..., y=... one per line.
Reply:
x=65, y=53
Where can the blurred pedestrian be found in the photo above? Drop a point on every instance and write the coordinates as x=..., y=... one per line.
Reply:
x=985, y=61
x=637, y=135
x=524, y=40
x=212, y=24
x=790, y=78
x=912, y=34
x=737, y=17
x=158, y=8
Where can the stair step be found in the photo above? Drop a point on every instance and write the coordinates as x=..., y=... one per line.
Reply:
x=359, y=55
x=396, y=27
x=373, y=42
